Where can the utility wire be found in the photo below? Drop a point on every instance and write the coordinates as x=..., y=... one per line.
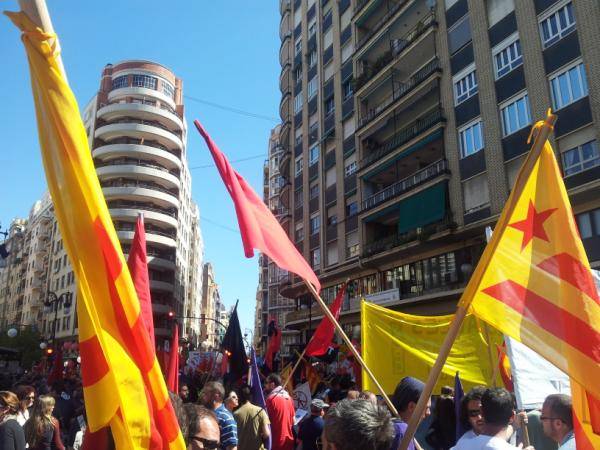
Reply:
x=231, y=109
x=262, y=155
x=220, y=225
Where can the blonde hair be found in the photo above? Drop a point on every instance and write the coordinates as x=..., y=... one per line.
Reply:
x=9, y=400
x=40, y=420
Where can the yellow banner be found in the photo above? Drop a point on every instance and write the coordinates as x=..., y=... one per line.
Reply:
x=395, y=345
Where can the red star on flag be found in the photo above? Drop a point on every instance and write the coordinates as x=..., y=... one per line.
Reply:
x=533, y=225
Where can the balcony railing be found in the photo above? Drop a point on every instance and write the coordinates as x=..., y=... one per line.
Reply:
x=398, y=45
x=380, y=23
x=140, y=184
x=131, y=120
x=403, y=136
x=135, y=162
x=142, y=207
x=138, y=141
x=406, y=184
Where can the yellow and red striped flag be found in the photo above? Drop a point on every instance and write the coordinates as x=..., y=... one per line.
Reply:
x=123, y=384
x=534, y=283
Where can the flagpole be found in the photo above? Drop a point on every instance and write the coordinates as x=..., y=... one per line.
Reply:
x=342, y=333
x=300, y=358
x=543, y=132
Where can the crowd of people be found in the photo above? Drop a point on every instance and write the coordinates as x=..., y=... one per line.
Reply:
x=341, y=417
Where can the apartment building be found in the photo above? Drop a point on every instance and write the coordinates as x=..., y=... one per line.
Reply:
x=210, y=325
x=404, y=124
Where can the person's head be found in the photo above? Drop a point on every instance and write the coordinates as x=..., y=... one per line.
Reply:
x=212, y=394
x=184, y=391
x=318, y=407
x=352, y=394
x=447, y=391
x=203, y=429
x=9, y=404
x=557, y=416
x=273, y=380
x=231, y=401
x=368, y=395
x=497, y=407
x=245, y=394
x=40, y=419
x=407, y=395
x=26, y=395
x=357, y=424
x=470, y=410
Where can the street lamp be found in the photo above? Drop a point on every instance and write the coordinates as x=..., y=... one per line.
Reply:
x=52, y=301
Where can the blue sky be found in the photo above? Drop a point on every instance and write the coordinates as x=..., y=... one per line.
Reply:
x=226, y=52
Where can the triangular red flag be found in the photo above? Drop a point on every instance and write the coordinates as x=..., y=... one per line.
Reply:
x=173, y=368
x=258, y=226
x=138, y=268
x=321, y=340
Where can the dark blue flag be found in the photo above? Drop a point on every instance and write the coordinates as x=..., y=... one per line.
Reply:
x=458, y=396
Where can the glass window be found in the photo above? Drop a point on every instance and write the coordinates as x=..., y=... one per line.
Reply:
x=312, y=87
x=557, y=24
x=312, y=29
x=329, y=106
x=465, y=85
x=589, y=223
x=515, y=115
x=312, y=58
x=316, y=258
x=298, y=103
x=351, y=209
x=459, y=35
x=298, y=46
x=508, y=57
x=476, y=193
x=298, y=74
x=313, y=155
x=299, y=235
x=120, y=82
x=568, y=86
x=347, y=89
x=168, y=89
x=298, y=166
x=350, y=167
x=315, y=224
x=298, y=198
x=145, y=81
x=580, y=158
x=471, y=138
x=314, y=191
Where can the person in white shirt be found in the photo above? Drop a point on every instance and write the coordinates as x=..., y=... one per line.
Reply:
x=26, y=395
x=498, y=413
x=470, y=414
x=557, y=420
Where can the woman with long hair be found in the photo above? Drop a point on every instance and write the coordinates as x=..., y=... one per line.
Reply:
x=26, y=395
x=42, y=431
x=11, y=433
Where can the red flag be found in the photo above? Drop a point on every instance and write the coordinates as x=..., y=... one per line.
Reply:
x=504, y=367
x=274, y=343
x=173, y=368
x=258, y=226
x=56, y=373
x=321, y=340
x=138, y=268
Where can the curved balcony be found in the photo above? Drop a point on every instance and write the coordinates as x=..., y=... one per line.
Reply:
x=164, y=286
x=284, y=50
x=284, y=5
x=284, y=23
x=284, y=106
x=154, y=237
x=140, y=131
x=140, y=171
x=284, y=132
x=284, y=194
x=139, y=192
x=162, y=157
x=145, y=111
x=161, y=263
x=140, y=92
x=284, y=161
x=284, y=78
x=151, y=215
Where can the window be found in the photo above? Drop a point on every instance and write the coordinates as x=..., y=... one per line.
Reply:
x=120, y=82
x=350, y=165
x=312, y=87
x=515, y=115
x=298, y=74
x=168, y=89
x=507, y=56
x=313, y=155
x=332, y=216
x=298, y=198
x=298, y=139
x=352, y=244
x=312, y=29
x=313, y=131
x=315, y=256
x=476, y=193
x=347, y=89
x=298, y=166
x=315, y=224
x=580, y=158
x=351, y=209
x=465, y=85
x=330, y=176
x=299, y=234
x=589, y=223
x=471, y=138
x=298, y=103
x=312, y=58
x=329, y=106
x=332, y=253
x=459, y=34
x=556, y=24
x=568, y=86
x=313, y=191
x=144, y=81
x=298, y=46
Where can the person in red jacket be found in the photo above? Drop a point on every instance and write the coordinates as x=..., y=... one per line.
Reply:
x=280, y=407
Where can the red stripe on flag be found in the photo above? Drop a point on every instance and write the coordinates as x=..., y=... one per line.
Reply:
x=162, y=416
x=557, y=321
x=93, y=363
x=581, y=438
x=571, y=270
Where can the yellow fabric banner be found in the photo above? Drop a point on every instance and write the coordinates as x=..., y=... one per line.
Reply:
x=395, y=345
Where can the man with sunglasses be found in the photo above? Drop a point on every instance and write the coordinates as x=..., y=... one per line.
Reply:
x=471, y=417
x=203, y=429
x=557, y=420
x=212, y=396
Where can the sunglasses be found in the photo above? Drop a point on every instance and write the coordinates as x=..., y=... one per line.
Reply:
x=207, y=443
x=31, y=397
x=474, y=412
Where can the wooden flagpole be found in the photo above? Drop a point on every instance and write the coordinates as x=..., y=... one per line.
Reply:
x=542, y=131
x=340, y=330
x=300, y=358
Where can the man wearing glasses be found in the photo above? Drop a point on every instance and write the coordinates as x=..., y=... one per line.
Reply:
x=203, y=430
x=557, y=420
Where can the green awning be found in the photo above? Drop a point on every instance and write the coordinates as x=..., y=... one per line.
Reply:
x=421, y=209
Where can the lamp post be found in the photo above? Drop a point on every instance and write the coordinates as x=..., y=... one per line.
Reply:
x=52, y=301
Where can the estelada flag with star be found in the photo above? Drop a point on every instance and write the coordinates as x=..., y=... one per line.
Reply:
x=534, y=282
